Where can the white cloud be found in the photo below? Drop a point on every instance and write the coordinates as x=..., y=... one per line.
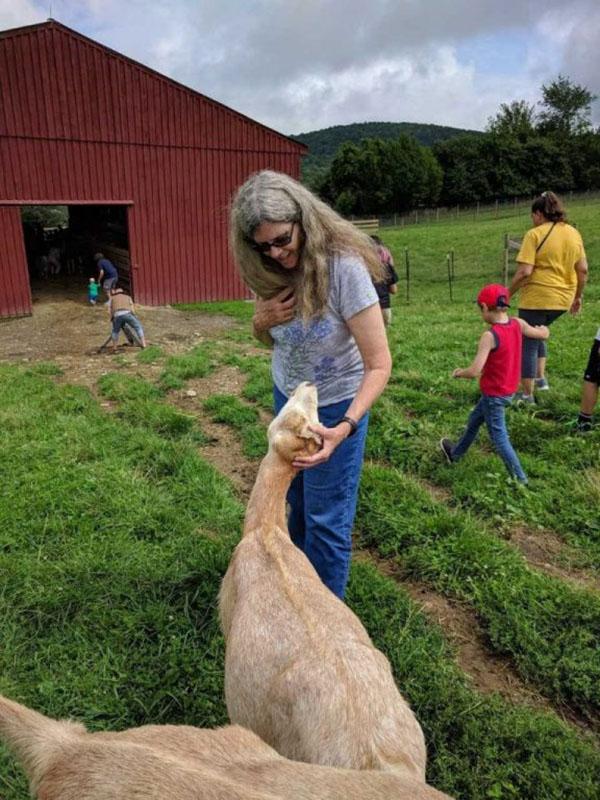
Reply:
x=299, y=65
x=15, y=13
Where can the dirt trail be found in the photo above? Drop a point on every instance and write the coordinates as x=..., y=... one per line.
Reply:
x=545, y=551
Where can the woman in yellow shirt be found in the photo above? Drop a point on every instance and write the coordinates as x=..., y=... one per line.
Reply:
x=550, y=277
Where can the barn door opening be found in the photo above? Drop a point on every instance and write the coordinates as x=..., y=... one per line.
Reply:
x=61, y=242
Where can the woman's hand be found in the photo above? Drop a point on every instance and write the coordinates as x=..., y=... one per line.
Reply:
x=331, y=438
x=276, y=311
x=520, y=277
x=576, y=306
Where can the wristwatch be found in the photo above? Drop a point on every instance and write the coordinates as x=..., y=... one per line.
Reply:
x=353, y=424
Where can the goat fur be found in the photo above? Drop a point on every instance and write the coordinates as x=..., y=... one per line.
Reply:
x=63, y=761
x=300, y=668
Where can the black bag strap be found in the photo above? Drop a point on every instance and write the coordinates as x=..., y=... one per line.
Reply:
x=539, y=247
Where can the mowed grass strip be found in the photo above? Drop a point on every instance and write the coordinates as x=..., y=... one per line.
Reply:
x=433, y=335
x=550, y=629
x=242, y=310
x=114, y=543
x=139, y=404
x=479, y=748
x=228, y=409
x=419, y=408
x=150, y=354
x=197, y=363
x=259, y=386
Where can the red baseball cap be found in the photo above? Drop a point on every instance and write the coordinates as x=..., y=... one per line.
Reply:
x=494, y=295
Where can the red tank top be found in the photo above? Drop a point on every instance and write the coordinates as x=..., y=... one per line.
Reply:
x=502, y=371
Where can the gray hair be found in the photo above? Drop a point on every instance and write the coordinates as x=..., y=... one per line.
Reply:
x=269, y=196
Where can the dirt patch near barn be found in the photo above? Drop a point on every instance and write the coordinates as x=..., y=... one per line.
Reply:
x=69, y=333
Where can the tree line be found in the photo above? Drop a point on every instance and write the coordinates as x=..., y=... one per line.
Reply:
x=523, y=151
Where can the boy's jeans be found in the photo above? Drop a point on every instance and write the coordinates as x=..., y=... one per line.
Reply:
x=323, y=499
x=130, y=319
x=491, y=411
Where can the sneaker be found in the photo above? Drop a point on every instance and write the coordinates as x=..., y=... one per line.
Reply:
x=446, y=446
x=541, y=384
x=583, y=426
x=525, y=399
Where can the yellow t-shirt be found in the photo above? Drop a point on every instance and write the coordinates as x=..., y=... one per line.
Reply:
x=552, y=283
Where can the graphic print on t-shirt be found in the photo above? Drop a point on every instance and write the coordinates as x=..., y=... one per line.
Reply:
x=307, y=341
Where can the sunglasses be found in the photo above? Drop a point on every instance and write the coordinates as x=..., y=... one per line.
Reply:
x=279, y=241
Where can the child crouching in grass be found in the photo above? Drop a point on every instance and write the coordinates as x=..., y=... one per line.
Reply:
x=498, y=360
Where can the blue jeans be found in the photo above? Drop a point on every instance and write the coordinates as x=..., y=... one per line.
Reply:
x=130, y=319
x=491, y=411
x=323, y=501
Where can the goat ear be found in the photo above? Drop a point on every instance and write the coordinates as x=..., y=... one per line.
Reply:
x=307, y=433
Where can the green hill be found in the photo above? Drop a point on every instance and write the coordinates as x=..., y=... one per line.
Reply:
x=323, y=144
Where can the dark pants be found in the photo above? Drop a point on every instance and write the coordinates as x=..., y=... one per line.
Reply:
x=323, y=501
x=535, y=348
x=592, y=370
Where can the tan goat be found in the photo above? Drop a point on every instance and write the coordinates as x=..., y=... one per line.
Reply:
x=300, y=669
x=171, y=762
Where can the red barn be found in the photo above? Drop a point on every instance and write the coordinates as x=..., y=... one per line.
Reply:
x=142, y=167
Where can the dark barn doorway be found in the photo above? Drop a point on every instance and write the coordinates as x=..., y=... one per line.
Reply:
x=60, y=243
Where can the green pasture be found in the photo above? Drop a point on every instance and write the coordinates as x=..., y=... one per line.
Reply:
x=116, y=533
x=478, y=247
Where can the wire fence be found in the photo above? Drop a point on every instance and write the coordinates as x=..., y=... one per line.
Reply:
x=447, y=275
x=499, y=209
x=448, y=264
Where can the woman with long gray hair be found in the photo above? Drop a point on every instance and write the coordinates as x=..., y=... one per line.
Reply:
x=313, y=272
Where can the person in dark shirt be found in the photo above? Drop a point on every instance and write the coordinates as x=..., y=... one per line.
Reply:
x=107, y=273
x=390, y=283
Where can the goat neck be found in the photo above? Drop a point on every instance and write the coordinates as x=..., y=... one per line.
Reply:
x=266, y=506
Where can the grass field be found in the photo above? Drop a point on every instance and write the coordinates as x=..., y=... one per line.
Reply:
x=116, y=533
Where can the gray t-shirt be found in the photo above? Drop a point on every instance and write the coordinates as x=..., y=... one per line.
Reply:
x=324, y=351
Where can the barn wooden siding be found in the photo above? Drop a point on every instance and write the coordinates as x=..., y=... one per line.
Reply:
x=80, y=123
x=15, y=295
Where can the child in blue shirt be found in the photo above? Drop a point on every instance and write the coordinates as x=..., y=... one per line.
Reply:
x=92, y=291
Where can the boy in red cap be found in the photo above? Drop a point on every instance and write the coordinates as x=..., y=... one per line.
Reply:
x=498, y=361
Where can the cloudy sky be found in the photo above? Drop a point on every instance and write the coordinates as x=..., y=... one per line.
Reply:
x=300, y=65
